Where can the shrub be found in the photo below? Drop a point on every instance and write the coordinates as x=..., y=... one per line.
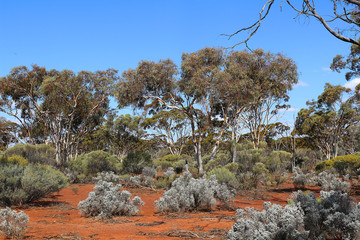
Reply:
x=299, y=178
x=23, y=184
x=224, y=176
x=106, y=201
x=170, y=171
x=278, y=161
x=94, y=162
x=232, y=167
x=187, y=194
x=14, y=159
x=331, y=217
x=13, y=223
x=107, y=177
x=274, y=222
x=141, y=180
x=330, y=182
x=342, y=164
x=135, y=162
x=221, y=159
x=40, y=153
x=175, y=161
x=149, y=172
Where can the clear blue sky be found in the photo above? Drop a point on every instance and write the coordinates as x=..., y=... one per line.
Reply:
x=96, y=35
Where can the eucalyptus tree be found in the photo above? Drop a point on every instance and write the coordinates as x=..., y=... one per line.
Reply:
x=65, y=104
x=327, y=119
x=155, y=87
x=171, y=127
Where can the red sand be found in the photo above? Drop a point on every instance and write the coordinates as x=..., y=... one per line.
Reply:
x=57, y=217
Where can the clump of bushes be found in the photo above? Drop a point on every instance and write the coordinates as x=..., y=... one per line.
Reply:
x=342, y=164
x=94, y=162
x=331, y=217
x=135, y=162
x=14, y=159
x=106, y=201
x=188, y=194
x=12, y=223
x=107, y=177
x=21, y=184
x=224, y=176
x=330, y=182
x=177, y=162
x=274, y=222
x=40, y=153
x=300, y=179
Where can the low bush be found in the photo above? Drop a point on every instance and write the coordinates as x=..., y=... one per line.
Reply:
x=170, y=171
x=175, y=161
x=274, y=222
x=23, y=184
x=107, y=177
x=342, y=164
x=299, y=178
x=12, y=223
x=106, y=201
x=141, y=180
x=135, y=162
x=331, y=217
x=149, y=172
x=224, y=176
x=188, y=194
x=14, y=159
x=330, y=182
x=40, y=153
x=94, y=162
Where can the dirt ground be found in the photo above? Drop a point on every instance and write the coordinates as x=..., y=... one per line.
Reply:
x=57, y=216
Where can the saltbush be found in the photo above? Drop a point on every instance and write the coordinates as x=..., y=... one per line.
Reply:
x=274, y=222
x=40, y=153
x=12, y=223
x=23, y=184
x=106, y=201
x=94, y=162
x=306, y=217
x=107, y=177
x=135, y=162
x=149, y=172
x=330, y=182
x=188, y=194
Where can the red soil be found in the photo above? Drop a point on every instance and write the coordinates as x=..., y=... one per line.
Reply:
x=57, y=217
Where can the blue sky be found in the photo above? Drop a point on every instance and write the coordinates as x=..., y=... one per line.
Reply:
x=96, y=35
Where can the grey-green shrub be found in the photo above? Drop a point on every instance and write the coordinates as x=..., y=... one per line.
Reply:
x=40, y=153
x=107, y=177
x=106, y=201
x=94, y=162
x=12, y=223
x=149, y=171
x=188, y=194
x=278, y=161
x=224, y=176
x=135, y=162
x=23, y=184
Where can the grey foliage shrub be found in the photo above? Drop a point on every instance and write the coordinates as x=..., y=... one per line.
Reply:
x=187, y=194
x=107, y=177
x=274, y=222
x=170, y=171
x=149, y=171
x=330, y=182
x=106, y=201
x=40, y=153
x=12, y=223
x=300, y=179
x=23, y=184
x=334, y=216
x=141, y=180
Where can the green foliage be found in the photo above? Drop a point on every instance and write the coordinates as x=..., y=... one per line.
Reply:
x=221, y=159
x=248, y=158
x=135, y=162
x=40, y=153
x=232, y=167
x=224, y=176
x=278, y=161
x=14, y=159
x=342, y=164
x=175, y=161
x=21, y=184
x=94, y=162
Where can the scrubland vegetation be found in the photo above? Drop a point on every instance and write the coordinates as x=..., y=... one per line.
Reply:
x=206, y=130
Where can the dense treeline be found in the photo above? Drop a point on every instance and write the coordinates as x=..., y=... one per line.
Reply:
x=210, y=107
